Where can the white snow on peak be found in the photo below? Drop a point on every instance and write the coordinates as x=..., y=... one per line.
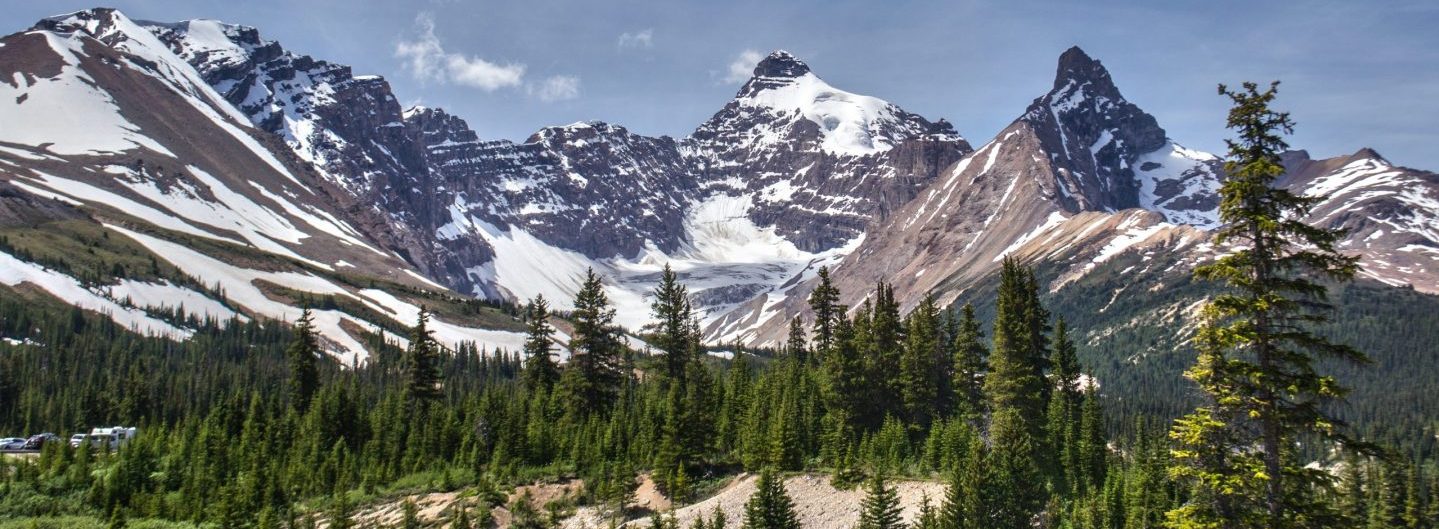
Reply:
x=850, y=123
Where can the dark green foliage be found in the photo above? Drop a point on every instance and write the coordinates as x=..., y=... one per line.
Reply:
x=421, y=362
x=303, y=355
x=592, y=380
x=824, y=301
x=541, y=370
x=770, y=507
x=1257, y=346
x=881, y=509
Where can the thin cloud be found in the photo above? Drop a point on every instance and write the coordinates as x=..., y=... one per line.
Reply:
x=742, y=67
x=427, y=60
x=639, y=39
x=557, y=88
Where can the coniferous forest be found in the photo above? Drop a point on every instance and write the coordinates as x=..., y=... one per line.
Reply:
x=249, y=424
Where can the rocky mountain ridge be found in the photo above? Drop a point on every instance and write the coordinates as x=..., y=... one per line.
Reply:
x=304, y=160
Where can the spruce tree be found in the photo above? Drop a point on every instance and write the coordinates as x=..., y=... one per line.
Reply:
x=795, y=346
x=302, y=355
x=920, y=370
x=1016, y=382
x=770, y=507
x=824, y=302
x=592, y=380
x=971, y=363
x=880, y=509
x=1258, y=361
x=541, y=371
x=965, y=505
x=672, y=314
x=422, y=362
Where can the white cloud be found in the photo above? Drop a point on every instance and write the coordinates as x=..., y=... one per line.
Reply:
x=557, y=88
x=427, y=60
x=638, y=39
x=742, y=67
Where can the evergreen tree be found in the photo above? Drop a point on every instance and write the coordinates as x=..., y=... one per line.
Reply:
x=1064, y=423
x=922, y=377
x=928, y=516
x=1016, y=382
x=422, y=362
x=671, y=310
x=592, y=379
x=795, y=346
x=970, y=365
x=770, y=507
x=880, y=509
x=824, y=302
x=303, y=354
x=541, y=371
x=965, y=503
x=1259, y=367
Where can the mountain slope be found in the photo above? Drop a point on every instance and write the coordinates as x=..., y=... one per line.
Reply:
x=129, y=143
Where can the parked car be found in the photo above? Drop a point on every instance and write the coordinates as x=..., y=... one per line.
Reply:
x=12, y=443
x=36, y=442
x=76, y=440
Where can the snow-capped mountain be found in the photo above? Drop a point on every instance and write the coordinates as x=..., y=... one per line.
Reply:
x=275, y=178
x=788, y=153
x=104, y=131
x=1083, y=176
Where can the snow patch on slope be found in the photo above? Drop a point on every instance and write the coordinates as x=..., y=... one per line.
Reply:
x=14, y=272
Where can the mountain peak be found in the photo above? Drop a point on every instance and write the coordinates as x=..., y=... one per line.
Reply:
x=1079, y=68
x=781, y=63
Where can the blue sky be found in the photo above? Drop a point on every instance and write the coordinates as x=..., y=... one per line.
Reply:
x=1354, y=74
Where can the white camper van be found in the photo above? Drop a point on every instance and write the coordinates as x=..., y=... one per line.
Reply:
x=110, y=438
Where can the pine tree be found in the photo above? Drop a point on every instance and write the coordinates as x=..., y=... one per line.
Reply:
x=795, y=346
x=541, y=371
x=970, y=365
x=1015, y=481
x=303, y=354
x=1259, y=367
x=928, y=516
x=880, y=509
x=824, y=301
x=671, y=310
x=1093, y=447
x=422, y=362
x=886, y=348
x=770, y=507
x=920, y=372
x=1064, y=423
x=965, y=505
x=1015, y=381
x=592, y=380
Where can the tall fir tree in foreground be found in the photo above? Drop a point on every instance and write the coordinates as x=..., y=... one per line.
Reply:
x=422, y=362
x=303, y=357
x=541, y=371
x=770, y=507
x=595, y=373
x=1258, y=352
